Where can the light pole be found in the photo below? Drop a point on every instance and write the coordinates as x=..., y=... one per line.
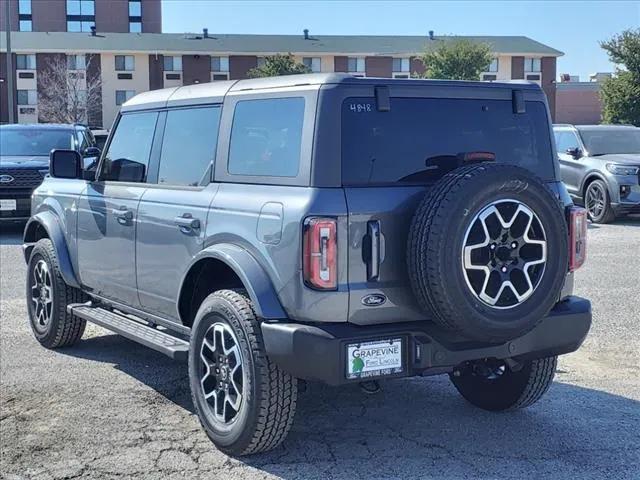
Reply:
x=11, y=112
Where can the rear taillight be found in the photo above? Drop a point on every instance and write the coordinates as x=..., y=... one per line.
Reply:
x=320, y=253
x=577, y=237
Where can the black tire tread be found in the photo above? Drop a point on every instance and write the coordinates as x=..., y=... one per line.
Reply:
x=426, y=235
x=540, y=378
x=515, y=390
x=278, y=390
x=609, y=215
x=69, y=327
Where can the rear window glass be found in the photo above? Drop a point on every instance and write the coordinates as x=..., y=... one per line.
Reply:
x=189, y=146
x=420, y=139
x=266, y=137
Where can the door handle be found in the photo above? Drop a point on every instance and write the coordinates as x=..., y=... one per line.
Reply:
x=187, y=223
x=373, y=263
x=123, y=215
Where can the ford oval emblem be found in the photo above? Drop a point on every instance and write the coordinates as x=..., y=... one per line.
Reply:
x=6, y=179
x=373, y=300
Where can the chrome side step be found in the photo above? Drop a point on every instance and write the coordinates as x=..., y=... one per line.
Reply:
x=172, y=346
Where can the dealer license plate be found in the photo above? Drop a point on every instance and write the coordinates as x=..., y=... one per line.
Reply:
x=7, y=205
x=374, y=359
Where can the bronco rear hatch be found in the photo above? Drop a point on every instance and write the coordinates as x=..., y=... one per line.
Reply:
x=392, y=155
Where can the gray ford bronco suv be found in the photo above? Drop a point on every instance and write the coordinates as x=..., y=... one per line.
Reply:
x=318, y=227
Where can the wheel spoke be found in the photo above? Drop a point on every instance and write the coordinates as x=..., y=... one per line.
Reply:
x=505, y=254
x=223, y=372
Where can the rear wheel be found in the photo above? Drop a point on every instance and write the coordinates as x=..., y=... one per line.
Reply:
x=487, y=251
x=47, y=298
x=492, y=385
x=245, y=403
x=598, y=203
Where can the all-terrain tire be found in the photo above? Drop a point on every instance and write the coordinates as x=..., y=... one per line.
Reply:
x=511, y=390
x=60, y=329
x=269, y=395
x=436, y=244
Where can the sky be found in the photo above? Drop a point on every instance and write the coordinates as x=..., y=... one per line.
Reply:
x=573, y=27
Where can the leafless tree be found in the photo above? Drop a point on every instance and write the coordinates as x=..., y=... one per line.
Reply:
x=69, y=96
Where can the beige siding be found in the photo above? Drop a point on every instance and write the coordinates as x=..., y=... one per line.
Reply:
x=27, y=84
x=110, y=83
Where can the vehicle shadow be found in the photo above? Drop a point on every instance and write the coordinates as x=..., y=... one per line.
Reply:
x=417, y=428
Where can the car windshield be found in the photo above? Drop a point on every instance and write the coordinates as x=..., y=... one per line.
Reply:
x=28, y=142
x=603, y=142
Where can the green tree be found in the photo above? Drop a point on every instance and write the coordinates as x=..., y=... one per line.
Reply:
x=275, y=65
x=457, y=60
x=620, y=95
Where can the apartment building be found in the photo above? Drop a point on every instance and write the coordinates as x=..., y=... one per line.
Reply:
x=131, y=59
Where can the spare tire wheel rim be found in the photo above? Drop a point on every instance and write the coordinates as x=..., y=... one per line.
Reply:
x=222, y=376
x=504, y=254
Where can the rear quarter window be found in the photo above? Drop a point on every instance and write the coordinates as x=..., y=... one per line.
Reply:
x=266, y=137
x=419, y=139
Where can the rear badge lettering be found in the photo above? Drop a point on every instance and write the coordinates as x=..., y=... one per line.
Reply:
x=373, y=300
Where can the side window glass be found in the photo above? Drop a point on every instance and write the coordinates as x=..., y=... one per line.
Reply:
x=189, y=146
x=82, y=141
x=566, y=141
x=266, y=137
x=127, y=159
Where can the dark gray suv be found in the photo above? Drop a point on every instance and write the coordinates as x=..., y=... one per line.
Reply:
x=318, y=227
x=600, y=166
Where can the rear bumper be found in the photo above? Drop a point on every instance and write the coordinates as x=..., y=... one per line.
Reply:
x=318, y=352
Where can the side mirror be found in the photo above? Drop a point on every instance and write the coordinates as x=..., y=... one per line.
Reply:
x=124, y=170
x=574, y=152
x=91, y=152
x=65, y=164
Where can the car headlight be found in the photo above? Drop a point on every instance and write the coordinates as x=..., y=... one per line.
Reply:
x=622, y=169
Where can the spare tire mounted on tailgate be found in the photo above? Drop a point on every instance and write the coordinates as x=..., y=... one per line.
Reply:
x=487, y=251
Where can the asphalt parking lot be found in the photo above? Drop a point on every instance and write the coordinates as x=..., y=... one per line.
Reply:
x=108, y=408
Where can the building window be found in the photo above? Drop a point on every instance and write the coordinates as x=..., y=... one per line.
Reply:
x=135, y=16
x=81, y=15
x=25, y=23
x=313, y=63
x=355, y=64
x=135, y=8
x=76, y=62
x=125, y=63
x=24, y=7
x=172, y=64
x=27, y=97
x=493, y=66
x=532, y=64
x=26, y=62
x=124, y=95
x=220, y=64
x=400, y=65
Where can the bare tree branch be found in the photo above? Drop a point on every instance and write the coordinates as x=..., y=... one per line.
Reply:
x=68, y=96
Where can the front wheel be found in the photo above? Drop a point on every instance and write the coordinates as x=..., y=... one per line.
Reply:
x=47, y=298
x=245, y=403
x=492, y=385
x=598, y=203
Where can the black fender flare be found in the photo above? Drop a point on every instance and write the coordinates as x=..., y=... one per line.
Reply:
x=253, y=276
x=49, y=222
